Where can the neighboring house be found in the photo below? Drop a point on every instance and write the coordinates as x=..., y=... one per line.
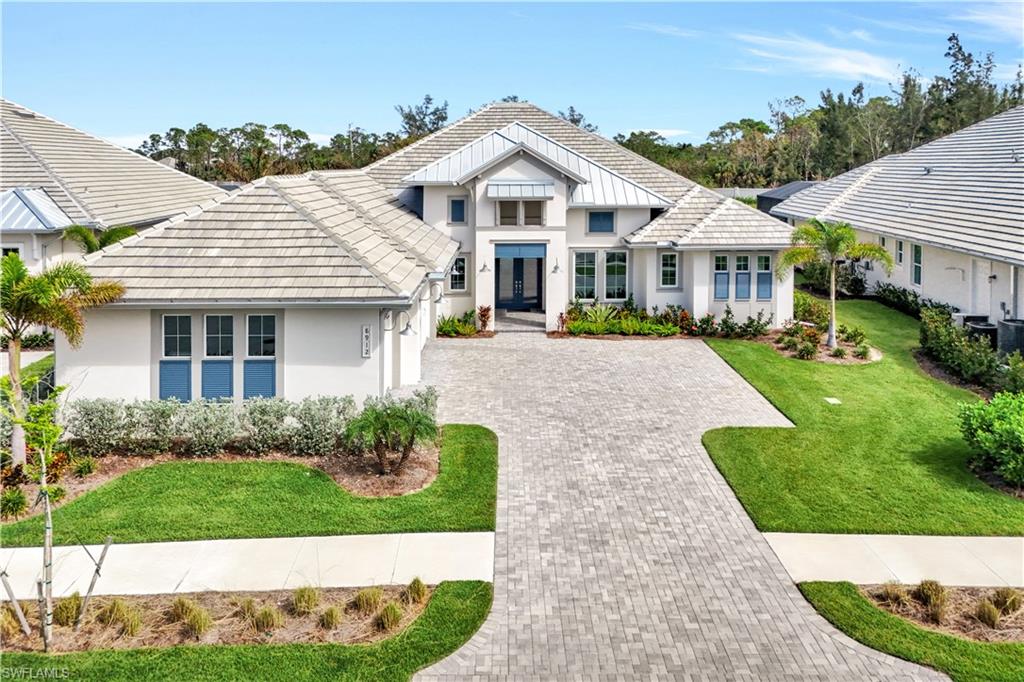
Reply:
x=951, y=213
x=769, y=199
x=53, y=176
x=330, y=282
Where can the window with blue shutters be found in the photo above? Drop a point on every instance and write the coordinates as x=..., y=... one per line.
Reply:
x=218, y=379
x=742, y=278
x=721, y=278
x=262, y=336
x=177, y=336
x=259, y=371
x=220, y=336
x=259, y=379
x=176, y=380
x=764, y=278
x=176, y=367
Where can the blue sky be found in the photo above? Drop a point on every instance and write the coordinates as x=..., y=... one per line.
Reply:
x=124, y=70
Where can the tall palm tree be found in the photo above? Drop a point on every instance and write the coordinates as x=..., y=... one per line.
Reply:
x=92, y=243
x=830, y=243
x=54, y=298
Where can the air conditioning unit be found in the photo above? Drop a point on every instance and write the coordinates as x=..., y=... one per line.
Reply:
x=962, y=319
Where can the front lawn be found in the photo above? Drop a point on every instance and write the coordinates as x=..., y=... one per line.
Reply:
x=959, y=658
x=454, y=613
x=889, y=459
x=197, y=500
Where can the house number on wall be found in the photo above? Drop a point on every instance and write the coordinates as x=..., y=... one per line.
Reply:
x=366, y=340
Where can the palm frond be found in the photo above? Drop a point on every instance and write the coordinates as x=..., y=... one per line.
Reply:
x=872, y=252
x=795, y=255
x=83, y=236
x=99, y=293
x=65, y=317
x=115, y=234
x=67, y=275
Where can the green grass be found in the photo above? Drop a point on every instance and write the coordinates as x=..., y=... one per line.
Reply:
x=889, y=459
x=959, y=658
x=454, y=613
x=194, y=500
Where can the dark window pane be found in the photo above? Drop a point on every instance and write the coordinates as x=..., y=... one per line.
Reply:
x=458, y=210
x=170, y=347
x=268, y=324
x=601, y=221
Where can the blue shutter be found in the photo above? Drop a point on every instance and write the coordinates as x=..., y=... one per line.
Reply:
x=259, y=379
x=764, y=285
x=742, y=286
x=721, y=285
x=217, y=379
x=176, y=380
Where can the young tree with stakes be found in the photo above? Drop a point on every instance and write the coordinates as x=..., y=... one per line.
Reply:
x=832, y=244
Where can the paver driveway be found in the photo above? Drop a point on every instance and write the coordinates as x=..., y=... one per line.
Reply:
x=621, y=552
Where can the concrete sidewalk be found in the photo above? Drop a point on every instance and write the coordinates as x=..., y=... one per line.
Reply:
x=864, y=559
x=259, y=564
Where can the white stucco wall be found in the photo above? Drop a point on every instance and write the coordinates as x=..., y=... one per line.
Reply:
x=701, y=267
x=39, y=249
x=113, y=360
x=323, y=353
x=952, y=277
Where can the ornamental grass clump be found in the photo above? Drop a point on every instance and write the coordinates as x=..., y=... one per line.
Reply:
x=368, y=599
x=118, y=612
x=247, y=611
x=180, y=608
x=305, y=600
x=894, y=594
x=13, y=502
x=1007, y=600
x=416, y=592
x=987, y=613
x=198, y=622
x=9, y=626
x=268, y=618
x=67, y=609
x=330, y=619
x=935, y=598
x=389, y=617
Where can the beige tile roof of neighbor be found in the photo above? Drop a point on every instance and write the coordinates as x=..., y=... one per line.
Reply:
x=963, y=192
x=93, y=181
x=319, y=237
x=733, y=224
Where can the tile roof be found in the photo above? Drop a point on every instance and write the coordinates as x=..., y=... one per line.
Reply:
x=963, y=192
x=703, y=218
x=320, y=237
x=787, y=190
x=31, y=210
x=594, y=184
x=92, y=181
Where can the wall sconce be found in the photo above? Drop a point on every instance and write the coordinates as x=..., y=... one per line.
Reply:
x=556, y=270
x=484, y=267
x=407, y=330
x=992, y=278
x=440, y=290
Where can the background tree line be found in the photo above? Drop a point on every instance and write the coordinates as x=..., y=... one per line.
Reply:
x=798, y=142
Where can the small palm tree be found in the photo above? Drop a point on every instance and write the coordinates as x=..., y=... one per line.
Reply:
x=831, y=243
x=54, y=298
x=92, y=243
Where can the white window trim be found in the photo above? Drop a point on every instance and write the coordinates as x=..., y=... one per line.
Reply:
x=714, y=276
x=163, y=338
x=918, y=266
x=448, y=203
x=13, y=247
x=469, y=268
x=615, y=222
x=276, y=337
x=757, y=273
x=206, y=318
x=899, y=253
x=604, y=274
x=597, y=270
x=520, y=212
x=679, y=280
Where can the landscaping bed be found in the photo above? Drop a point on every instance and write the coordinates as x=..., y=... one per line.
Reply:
x=196, y=499
x=453, y=613
x=889, y=458
x=959, y=611
x=471, y=325
x=353, y=616
x=605, y=321
x=846, y=607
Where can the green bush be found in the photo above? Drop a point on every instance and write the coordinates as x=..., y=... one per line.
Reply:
x=907, y=300
x=791, y=343
x=207, y=426
x=972, y=359
x=600, y=312
x=807, y=351
x=1011, y=376
x=368, y=599
x=263, y=423
x=390, y=428
x=807, y=308
x=155, y=425
x=40, y=341
x=852, y=335
x=101, y=425
x=320, y=425
x=838, y=352
x=305, y=600
x=67, y=609
x=389, y=617
x=330, y=619
x=754, y=327
x=13, y=502
x=862, y=352
x=727, y=326
x=449, y=325
x=706, y=326
x=56, y=493
x=83, y=466
x=995, y=431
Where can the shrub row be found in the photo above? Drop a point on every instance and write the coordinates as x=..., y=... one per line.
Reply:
x=673, y=320
x=313, y=426
x=995, y=431
x=971, y=359
x=907, y=300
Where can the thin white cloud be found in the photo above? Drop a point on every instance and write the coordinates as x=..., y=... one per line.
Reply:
x=857, y=34
x=905, y=27
x=663, y=29
x=803, y=55
x=1002, y=19
x=1006, y=71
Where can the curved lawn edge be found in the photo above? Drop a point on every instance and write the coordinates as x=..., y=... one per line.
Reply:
x=197, y=500
x=845, y=607
x=453, y=615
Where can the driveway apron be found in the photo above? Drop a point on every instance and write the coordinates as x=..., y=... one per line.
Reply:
x=621, y=552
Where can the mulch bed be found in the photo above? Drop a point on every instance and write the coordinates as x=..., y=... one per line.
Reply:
x=937, y=371
x=481, y=334
x=357, y=475
x=160, y=630
x=960, y=620
x=621, y=337
x=823, y=352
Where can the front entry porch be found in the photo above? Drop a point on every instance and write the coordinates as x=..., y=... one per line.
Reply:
x=519, y=277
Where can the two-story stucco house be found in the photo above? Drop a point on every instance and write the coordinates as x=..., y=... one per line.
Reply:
x=331, y=282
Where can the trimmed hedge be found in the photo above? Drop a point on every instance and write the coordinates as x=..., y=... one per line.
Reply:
x=971, y=359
